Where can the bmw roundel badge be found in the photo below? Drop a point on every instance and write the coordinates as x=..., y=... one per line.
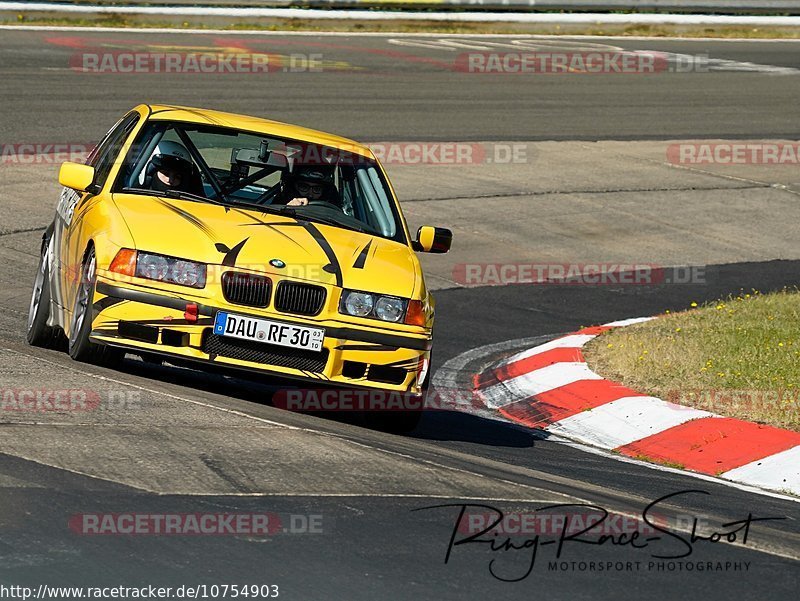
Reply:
x=277, y=263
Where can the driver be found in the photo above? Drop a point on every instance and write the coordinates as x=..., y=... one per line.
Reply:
x=171, y=168
x=310, y=184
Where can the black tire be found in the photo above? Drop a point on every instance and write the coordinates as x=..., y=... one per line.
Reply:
x=38, y=332
x=80, y=348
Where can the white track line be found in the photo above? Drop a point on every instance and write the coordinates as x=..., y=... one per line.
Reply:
x=157, y=392
x=376, y=15
x=309, y=430
x=628, y=322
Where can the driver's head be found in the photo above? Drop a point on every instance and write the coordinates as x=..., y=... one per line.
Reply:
x=312, y=181
x=171, y=164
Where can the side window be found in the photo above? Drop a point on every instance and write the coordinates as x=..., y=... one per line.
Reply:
x=103, y=156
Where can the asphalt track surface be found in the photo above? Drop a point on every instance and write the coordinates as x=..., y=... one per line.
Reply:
x=202, y=443
x=418, y=87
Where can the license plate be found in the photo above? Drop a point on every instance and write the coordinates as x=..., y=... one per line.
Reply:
x=268, y=332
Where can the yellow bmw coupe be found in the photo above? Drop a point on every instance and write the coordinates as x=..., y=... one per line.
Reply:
x=240, y=242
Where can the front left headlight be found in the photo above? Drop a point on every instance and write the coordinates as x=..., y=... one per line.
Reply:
x=374, y=306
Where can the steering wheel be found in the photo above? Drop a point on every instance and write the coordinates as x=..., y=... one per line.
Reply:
x=268, y=195
x=323, y=203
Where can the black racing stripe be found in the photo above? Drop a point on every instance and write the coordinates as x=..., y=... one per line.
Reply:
x=171, y=302
x=412, y=367
x=148, y=298
x=365, y=347
x=406, y=342
x=327, y=249
x=362, y=257
x=190, y=218
x=412, y=363
x=233, y=253
x=273, y=225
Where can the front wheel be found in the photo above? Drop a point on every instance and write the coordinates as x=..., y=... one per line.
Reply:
x=80, y=347
x=38, y=332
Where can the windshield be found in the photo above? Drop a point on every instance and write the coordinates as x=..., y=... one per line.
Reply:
x=238, y=168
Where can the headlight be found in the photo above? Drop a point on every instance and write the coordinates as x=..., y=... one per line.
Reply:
x=390, y=309
x=187, y=273
x=375, y=306
x=160, y=268
x=152, y=267
x=359, y=304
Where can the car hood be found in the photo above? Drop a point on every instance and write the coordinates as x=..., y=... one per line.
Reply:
x=250, y=239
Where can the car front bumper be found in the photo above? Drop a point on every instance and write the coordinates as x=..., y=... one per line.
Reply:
x=150, y=320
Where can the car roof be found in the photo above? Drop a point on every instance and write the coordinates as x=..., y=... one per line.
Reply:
x=163, y=112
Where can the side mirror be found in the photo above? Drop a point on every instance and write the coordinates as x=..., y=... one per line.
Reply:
x=76, y=176
x=433, y=239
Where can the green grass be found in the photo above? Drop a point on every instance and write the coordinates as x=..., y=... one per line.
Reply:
x=739, y=357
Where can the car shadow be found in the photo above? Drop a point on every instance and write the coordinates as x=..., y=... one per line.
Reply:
x=465, y=427
x=558, y=309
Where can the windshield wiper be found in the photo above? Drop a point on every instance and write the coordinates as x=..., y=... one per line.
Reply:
x=273, y=209
x=284, y=210
x=334, y=223
x=288, y=211
x=176, y=194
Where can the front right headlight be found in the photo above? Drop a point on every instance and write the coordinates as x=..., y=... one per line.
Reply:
x=170, y=270
x=160, y=268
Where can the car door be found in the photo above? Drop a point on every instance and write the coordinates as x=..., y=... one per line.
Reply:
x=72, y=205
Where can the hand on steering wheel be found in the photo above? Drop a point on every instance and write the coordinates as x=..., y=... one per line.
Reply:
x=304, y=202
